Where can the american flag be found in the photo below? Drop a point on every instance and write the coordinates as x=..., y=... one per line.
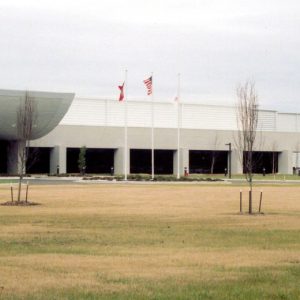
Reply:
x=148, y=83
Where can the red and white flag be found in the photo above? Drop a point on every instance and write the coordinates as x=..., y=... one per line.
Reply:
x=121, y=87
x=148, y=83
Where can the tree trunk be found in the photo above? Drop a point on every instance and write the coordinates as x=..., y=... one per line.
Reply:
x=250, y=196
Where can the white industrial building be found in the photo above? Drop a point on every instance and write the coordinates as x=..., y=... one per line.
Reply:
x=98, y=124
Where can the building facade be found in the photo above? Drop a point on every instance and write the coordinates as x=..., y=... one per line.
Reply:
x=205, y=132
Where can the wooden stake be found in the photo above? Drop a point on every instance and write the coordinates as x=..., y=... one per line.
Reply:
x=26, y=192
x=241, y=201
x=250, y=202
x=260, y=200
x=11, y=193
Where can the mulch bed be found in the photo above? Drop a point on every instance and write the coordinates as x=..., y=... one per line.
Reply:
x=19, y=203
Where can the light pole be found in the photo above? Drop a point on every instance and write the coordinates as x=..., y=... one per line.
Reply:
x=229, y=160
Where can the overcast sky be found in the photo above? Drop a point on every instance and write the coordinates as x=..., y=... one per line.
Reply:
x=85, y=46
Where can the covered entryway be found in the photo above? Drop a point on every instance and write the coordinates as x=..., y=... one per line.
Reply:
x=207, y=162
x=140, y=161
x=38, y=161
x=264, y=162
x=97, y=160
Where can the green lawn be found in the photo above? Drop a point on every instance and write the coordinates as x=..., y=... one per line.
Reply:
x=8, y=181
x=149, y=242
x=255, y=177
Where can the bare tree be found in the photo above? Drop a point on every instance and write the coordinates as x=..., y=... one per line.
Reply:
x=247, y=119
x=26, y=118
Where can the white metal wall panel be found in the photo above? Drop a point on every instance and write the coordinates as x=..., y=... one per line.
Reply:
x=107, y=112
x=165, y=115
x=287, y=122
x=208, y=117
x=223, y=118
x=139, y=114
x=115, y=113
x=85, y=112
x=266, y=120
x=192, y=116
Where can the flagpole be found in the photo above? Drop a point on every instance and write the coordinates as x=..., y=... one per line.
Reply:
x=125, y=129
x=152, y=130
x=178, y=127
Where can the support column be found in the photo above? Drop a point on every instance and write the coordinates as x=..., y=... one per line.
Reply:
x=119, y=161
x=184, y=161
x=13, y=158
x=285, y=162
x=236, y=163
x=58, y=159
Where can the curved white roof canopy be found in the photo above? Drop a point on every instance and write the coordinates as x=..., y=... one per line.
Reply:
x=50, y=109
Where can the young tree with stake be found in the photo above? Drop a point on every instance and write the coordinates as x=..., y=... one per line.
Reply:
x=26, y=118
x=247, y=119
